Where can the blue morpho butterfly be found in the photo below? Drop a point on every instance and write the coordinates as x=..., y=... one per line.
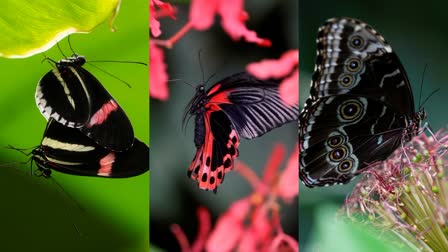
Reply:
x=75, y=98
x=361, y=106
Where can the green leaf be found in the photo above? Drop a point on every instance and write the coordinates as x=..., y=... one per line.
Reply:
x=333, y=234
x=31, y=27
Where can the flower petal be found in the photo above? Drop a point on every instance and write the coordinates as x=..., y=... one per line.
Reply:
x=229, y=227
x=275, y=68
x=157, y=73
x=284, y=242
x=288, y=184
x=232, y=21
x=202, y=13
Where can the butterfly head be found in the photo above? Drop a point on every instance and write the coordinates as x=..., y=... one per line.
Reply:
x=75, y=59
x=197, y=103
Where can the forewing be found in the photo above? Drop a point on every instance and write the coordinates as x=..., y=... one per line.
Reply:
x=344, y=43
x=253, y=106
x=62, y=95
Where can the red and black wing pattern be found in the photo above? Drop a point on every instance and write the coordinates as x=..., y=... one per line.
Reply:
x=239, y=105
x=254, y=106
x=217, y=146
x=75, y=98
x=67, y=150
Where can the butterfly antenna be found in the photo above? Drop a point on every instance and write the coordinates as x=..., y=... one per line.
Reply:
x=200, y=65
x=121, y=61
x=113, y=76
x=209, y=78
x=189, y=84
x=21, y=150
x=429, y=96
x=70, y=45
x=60, y=50
x=421, y=87
x=49, y=60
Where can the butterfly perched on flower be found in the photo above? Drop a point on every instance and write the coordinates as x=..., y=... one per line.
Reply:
x=361, y=106
x=237, y=106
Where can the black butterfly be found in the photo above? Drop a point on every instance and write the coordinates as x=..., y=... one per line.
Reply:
x=361, y=106
x=239, y=105
x=75, y=98
x=69, y=151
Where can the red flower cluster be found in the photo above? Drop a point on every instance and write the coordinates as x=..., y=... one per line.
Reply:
x=251, y=223
x=286, y=67
x=157, y=67
x=202, y=16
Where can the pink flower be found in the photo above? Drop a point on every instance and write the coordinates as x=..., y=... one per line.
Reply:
x=255, y=218
x=158, y=78
x=157, y=67
x=204, y=230
x=165, y=9
x=251, y=223
x=233, y=17
x=286, y=67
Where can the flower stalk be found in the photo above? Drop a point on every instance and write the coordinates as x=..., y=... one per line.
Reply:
x=407, y=195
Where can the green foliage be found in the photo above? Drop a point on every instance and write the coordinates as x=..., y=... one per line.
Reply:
x=110, y=214
x=334, y=234
x=31, y=27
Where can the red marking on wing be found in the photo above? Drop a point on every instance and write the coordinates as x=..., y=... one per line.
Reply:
x=214, y=89
x=218, y=96
x=101, y=115
x=106, y=165
x=201, y=170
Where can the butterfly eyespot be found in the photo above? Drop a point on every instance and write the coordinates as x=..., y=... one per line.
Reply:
x=354, y=65
x=346, y=80
x=350, y=110
x=345, y=166
x=338, y=154
x=335, y=141
x=357, y=42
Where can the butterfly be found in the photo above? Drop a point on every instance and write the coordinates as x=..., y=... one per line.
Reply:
x=75, y=98
x=237, y=106
x=68, y=150
x=361, y=106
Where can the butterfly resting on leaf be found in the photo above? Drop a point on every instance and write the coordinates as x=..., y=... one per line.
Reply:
x=237, y=106
x=361, y=106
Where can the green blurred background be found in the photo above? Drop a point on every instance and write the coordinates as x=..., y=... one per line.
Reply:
x=110, y=214
x=175, y=197
x=417, y=32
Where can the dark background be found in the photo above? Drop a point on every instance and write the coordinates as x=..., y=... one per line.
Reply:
x=418, y=35
x=175, y=197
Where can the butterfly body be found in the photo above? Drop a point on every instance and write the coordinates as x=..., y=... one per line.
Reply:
x=237, y=106
x=75, y=98
x=67, y=150
x=361, y=106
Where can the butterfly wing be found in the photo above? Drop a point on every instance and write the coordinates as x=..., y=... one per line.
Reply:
x=353, y=58
x=67, y=150
x=217, y=146
x=254, y=106
x=61, y=94
x=75, y=98
x=356, y=70
x=342, y=135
